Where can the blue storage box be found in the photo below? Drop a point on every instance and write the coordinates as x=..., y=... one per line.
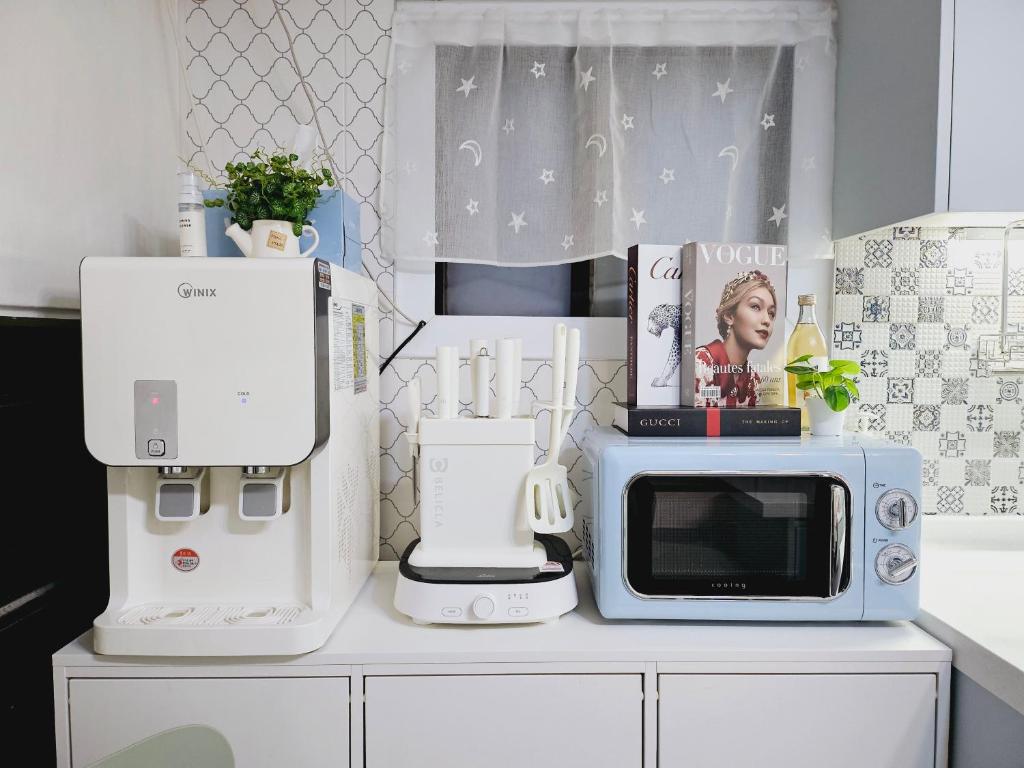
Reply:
x=336, y=218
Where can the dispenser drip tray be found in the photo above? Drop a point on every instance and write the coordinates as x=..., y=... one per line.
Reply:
x=212, y=615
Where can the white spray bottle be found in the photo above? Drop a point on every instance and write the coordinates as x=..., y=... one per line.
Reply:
x=191, y=216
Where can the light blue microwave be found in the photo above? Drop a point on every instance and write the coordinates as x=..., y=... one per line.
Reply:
x=752, y=529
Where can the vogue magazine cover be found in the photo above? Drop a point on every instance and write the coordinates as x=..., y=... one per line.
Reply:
x=734, y=326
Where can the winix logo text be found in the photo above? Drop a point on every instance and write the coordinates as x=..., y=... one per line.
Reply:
x=188, y=291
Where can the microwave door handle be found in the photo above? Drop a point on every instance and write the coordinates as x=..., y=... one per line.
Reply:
x=837, y=540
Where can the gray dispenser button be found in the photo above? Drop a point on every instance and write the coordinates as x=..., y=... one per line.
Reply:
x=177, y=501
x=259, y=500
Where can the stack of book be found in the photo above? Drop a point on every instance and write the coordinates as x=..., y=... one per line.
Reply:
x=683, y=421
x=705, y=347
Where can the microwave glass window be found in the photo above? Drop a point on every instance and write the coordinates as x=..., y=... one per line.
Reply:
x=729, y=536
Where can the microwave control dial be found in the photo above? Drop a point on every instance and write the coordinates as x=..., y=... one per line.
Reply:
x=896, y=509
x=895, y=564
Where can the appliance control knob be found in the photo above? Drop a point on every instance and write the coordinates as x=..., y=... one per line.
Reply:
x=895, y=564
x=483, y=606
x=896, y=509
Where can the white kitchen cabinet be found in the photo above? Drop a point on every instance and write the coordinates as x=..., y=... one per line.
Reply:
x=215, y=723
x=582, y=691
x=796, y=721
x=927, y=121
x=504, y=721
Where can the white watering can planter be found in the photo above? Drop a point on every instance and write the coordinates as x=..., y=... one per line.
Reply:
x=271, y=239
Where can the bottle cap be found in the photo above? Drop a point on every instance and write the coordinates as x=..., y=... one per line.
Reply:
x=188, y=188
x=805, y=300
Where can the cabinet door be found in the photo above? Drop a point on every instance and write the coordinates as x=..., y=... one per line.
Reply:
x=217, y=723
x=504, y=721
x=796, y=721
x=986, y=165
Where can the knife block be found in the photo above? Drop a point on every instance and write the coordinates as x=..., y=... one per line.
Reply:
x=472, y=476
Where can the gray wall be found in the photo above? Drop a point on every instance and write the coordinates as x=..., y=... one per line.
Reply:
x=985, y=732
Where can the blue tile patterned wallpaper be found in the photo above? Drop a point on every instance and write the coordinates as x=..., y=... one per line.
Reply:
x=910, y=305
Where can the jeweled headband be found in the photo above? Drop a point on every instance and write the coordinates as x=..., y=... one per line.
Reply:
x=741, y=279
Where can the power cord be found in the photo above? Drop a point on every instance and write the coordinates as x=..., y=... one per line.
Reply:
x=337, y=182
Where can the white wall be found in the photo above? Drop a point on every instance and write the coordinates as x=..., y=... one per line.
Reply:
x=89, y=136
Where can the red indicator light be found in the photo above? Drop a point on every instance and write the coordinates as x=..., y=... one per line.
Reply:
x=155, y=401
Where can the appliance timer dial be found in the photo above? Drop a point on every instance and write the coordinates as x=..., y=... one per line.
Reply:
x=895, y=564
x=483, y=606
x=896, y=509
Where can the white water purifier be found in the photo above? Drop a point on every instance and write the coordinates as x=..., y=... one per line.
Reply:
x=235, y=403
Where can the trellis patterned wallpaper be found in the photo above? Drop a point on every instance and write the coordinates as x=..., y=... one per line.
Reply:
x=247, y=94
x=910, y=305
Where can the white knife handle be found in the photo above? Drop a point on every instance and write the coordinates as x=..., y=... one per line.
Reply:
x=453, y=376
x=506, y=378
x=558, y=363
x=557, y=384
x=572, y=372
x=480, y=376
x=572, y=367
x=444, y=382
x=517, y=375
x=415, y=408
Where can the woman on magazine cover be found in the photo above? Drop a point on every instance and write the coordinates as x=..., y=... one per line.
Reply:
x=746, y=315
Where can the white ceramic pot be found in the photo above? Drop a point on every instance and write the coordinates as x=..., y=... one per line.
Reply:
x=824, y=421
x=270, y=238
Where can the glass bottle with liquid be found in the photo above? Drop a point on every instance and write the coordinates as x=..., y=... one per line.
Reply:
x=806, y=339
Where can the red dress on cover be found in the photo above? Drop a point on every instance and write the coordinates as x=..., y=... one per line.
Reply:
x=735, y=388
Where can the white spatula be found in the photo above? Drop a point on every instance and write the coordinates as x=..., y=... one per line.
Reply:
x=548, y=499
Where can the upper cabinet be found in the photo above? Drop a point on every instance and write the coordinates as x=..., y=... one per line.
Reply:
x=928, y=113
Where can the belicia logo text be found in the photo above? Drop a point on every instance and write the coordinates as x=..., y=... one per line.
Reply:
x=188, y=291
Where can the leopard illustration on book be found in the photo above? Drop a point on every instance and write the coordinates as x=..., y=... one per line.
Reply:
x=662, y=317
x=745, y=316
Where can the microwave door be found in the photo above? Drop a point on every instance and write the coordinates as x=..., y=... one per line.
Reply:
x=741, y=536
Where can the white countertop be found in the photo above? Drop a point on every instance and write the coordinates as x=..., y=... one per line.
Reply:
x=373, y=632
x=972, y=598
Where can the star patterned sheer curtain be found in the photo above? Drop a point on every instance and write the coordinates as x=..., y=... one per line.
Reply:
x=534, y=133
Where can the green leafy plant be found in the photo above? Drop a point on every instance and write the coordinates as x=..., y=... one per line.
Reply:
x=835, y=385
x=272, y=187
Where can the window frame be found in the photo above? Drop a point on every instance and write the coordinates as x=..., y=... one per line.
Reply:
x=601, y=338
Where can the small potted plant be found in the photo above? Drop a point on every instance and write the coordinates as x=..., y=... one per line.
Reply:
x=270, y=198
x=830, y=390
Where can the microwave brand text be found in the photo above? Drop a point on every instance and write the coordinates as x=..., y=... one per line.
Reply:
x=729, y=585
